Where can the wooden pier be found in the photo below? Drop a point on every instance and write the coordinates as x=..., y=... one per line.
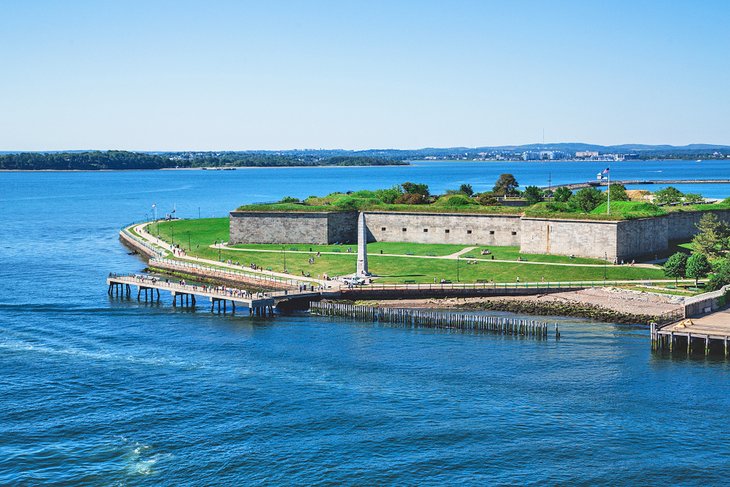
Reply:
x=416, y=318
x=708, y=334
x=258, y=304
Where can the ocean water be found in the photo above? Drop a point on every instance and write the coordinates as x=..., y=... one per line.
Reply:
x=100, y=391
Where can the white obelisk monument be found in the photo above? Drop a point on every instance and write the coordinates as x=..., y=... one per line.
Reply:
x=362, y=251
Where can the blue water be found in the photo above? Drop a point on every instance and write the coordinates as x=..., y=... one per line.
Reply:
x=99, y=391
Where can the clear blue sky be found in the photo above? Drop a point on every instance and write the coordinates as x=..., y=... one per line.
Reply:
x=236, y=75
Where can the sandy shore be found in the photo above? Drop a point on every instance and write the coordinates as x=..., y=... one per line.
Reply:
x=618, y=300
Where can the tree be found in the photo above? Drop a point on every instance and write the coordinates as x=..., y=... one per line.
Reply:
x=618, y=192
x=668, y=195
x=562, y=194
x=415, y=188
x=697, y=267
x=466, y=189
x=533, y=195
x=506, y=185
x=721, y=276
x=676, y=266
x=713, y=238
x=587, y=199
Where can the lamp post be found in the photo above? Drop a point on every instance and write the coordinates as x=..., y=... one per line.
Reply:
x=457, y=269
x=284, y=255
x=189, y=246
x=605, y=264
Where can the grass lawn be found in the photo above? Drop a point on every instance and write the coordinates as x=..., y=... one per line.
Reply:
x=397, y=248
x=511, y=253
x=199, y=234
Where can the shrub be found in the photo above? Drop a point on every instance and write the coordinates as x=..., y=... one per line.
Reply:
x=487, y=199
x=411, y=199
x=455, y=200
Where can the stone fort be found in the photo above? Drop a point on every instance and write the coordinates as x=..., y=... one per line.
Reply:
x=601, y=239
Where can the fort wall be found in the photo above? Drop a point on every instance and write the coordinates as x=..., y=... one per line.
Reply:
x=472, y=229
x=581, y=238
x=292, y=227
x=615, y=240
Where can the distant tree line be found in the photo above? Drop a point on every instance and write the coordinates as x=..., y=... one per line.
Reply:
x=121, y=160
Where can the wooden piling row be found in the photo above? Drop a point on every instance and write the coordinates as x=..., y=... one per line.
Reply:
x=414, y=318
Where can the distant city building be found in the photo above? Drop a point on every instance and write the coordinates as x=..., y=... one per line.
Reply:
x=586, y=154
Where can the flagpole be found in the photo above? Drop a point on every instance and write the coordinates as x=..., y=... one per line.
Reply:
x=608, y=192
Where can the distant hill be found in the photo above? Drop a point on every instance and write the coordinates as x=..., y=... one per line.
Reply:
x=117, y=160
x=123, y=160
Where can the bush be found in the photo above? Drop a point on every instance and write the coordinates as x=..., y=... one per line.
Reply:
x=668, y=195
x=389, y=195
x=455, y=200
x=289, y=199
x=411, y=199
x=721, y=276
x=487, y=199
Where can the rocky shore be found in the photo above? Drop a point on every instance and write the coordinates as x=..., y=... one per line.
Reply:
x=612, y=305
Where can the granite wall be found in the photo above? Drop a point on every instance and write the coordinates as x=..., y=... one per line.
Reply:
x=581, y=238
x=292, y=227
x=462, y=229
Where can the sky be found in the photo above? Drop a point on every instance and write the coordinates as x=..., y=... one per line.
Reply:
x=242, y=75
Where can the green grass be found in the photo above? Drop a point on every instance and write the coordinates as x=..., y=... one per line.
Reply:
x=397, y=248
x=627, y=210
x=198, y=233
x=512, y=253
x=202, y=233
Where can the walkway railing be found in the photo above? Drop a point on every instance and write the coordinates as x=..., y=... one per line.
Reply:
x=144, y=243
x=264, y=279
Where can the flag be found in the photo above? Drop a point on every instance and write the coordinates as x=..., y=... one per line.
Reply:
x=605, y=171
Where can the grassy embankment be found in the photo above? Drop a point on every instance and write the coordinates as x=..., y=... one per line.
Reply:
x=195, y=236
